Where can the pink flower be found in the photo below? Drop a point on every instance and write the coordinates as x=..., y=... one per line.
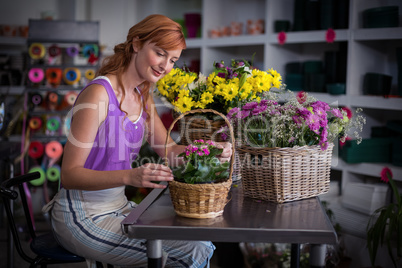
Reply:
x=301, y=97
x=200, y=153
x=385, y=174
x=348, y=112
x=337, y=113
x=206, y=151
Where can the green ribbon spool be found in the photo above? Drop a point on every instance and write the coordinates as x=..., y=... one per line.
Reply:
x=53, y=124
x=39, y=181
x=53, y=173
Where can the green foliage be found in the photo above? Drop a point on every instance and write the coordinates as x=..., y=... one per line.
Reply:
x=387, y=228
x=201, y=164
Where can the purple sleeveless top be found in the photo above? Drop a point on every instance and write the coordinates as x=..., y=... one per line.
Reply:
x=118, y=140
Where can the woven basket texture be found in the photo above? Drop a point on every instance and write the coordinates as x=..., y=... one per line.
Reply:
x=285, y=174
x=200, y=200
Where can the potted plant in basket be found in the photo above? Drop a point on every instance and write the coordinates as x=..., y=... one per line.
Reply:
x=201, y=164
x=286, y=147
x=385, y=224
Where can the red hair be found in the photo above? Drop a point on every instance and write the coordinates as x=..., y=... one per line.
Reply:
x=161, y=30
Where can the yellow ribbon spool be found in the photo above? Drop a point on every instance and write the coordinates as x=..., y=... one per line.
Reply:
x=90, y=74
x=71, y=75
x=37, y=51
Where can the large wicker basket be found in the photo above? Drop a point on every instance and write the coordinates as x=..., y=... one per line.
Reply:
x=285, y=174
x=200, y=200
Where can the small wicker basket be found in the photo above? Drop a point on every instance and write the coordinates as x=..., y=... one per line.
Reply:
x=200, y=200
x=285, y=174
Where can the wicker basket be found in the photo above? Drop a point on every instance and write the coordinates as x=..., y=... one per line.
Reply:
x=285, y=174
x=200, y=200
x=199, y=126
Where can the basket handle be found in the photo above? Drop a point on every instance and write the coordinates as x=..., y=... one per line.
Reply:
x=204, y=111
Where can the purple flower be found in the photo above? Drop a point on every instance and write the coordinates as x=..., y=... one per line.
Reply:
x=219, y=65
x=232, y=112
x=313, y=122
x=206, y=151
x=244, y=114
x=221, y=75
x=224, y=136
x=259, y=110
x=250, y=105
x=337, y=113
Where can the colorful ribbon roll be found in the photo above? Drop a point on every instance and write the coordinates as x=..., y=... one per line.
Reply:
x=90, y=74
x=35, y=123
x=71, y=75
x=53, y=76
x=53, y=98
x=89, y=49
x=53, y=173
x=72, y=51
x=36, y=149
x=54, y=149
x=70, y=97
x=53, y=124
x=39, y=181
x=36, y=51
x=36, y=99
x=54, y=51
x=36, y=75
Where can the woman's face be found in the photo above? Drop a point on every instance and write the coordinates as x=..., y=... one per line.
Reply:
x=152, y=62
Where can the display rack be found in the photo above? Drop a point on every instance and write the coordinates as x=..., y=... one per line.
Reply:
x=367, y=50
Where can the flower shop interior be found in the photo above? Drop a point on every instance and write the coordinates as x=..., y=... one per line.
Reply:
x=345, y=53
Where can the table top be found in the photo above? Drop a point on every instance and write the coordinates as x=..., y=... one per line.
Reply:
x=243, y=220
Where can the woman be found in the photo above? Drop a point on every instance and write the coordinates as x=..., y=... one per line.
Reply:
x=109, y=119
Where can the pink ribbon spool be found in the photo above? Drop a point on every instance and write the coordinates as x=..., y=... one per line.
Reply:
x=36, y=75
x=54, y=149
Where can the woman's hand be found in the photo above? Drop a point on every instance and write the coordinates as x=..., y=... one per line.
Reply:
x=147, y=176
x=227, y=151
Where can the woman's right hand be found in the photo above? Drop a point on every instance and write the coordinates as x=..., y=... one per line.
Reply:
x=147, y=176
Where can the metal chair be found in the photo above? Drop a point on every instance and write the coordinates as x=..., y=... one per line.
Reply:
x=45, y=246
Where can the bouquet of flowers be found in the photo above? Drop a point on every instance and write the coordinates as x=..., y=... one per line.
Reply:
x=201, y=164
x=300, y=120
x=226, y=87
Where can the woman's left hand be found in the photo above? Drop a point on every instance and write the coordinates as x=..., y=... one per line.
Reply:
x=227, y=151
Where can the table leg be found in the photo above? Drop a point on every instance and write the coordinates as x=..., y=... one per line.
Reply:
x=295, y=256
x=317, y=255
x=154, y=253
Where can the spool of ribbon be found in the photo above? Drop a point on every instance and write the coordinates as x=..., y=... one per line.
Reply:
x=72, y=51
x=89, y=49
x=71, y=75
x=53, y=76
x=36, y=75
x=36, y=99
x=90, y=74
x=35, y=123
x=54, y=149
x=36, y=149
x=53, y=173
x=70, y=97
x=39, y=181
x=53, y=98
x=36, y=51
x=53, y=124
x=54, y=51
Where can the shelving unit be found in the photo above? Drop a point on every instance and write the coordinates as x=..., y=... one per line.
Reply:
x=368, y=50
